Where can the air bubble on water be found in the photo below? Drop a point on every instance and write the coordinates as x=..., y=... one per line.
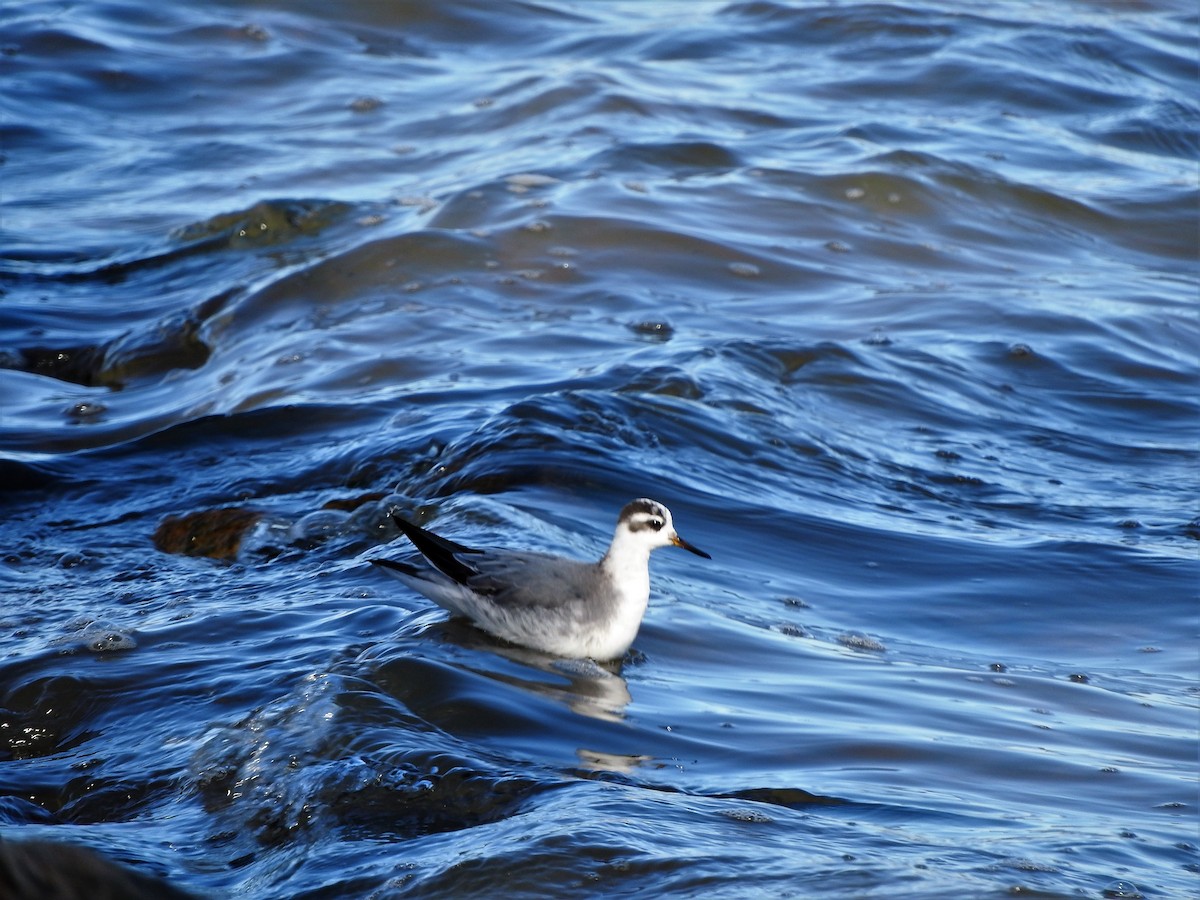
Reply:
x=85, y=411
x=421, y=203
x=1122, y=890
x=320, y=524
x=877, y=339
x=530, y=180
x=254, y=33
x=109, y=641
x=747, y=815
x=99, y=637
x=72, y=559
x=1031, y=865
x=656, y=330
x=266, y=535
x=856, y=640
x=746, y=270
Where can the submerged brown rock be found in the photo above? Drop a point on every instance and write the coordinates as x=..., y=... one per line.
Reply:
x=216, y=533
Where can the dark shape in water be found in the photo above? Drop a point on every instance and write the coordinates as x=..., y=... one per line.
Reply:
x=40, y=870
x=216, y=533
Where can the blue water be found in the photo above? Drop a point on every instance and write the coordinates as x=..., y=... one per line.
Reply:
x=896, y=308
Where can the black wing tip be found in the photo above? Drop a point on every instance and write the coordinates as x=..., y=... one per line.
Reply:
x=403, y=568
x=409, y=529
x=415, y=533
x=441, y=552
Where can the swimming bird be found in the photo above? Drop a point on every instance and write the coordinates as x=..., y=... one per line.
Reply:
x=549, y=603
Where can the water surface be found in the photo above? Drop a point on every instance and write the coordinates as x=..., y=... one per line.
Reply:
x=894, y=306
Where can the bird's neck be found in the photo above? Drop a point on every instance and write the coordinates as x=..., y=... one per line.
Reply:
x=627, y=563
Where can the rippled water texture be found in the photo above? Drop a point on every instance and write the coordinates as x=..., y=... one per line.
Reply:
x=894, y=306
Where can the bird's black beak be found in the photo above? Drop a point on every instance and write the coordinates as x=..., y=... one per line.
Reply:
x=691, y=548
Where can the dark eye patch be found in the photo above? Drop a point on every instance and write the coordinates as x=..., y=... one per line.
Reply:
x=641, y=522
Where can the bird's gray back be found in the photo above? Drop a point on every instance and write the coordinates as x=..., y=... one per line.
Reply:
x=523, y=580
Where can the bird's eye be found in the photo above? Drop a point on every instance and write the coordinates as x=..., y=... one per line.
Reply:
x=656, y=524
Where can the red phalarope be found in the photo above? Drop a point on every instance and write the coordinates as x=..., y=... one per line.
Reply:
x=548, y=603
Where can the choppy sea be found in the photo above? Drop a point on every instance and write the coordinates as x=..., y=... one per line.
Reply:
x=895, y=306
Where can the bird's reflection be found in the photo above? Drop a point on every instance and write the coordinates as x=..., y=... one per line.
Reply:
x=591, y=689
x=599, y=761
